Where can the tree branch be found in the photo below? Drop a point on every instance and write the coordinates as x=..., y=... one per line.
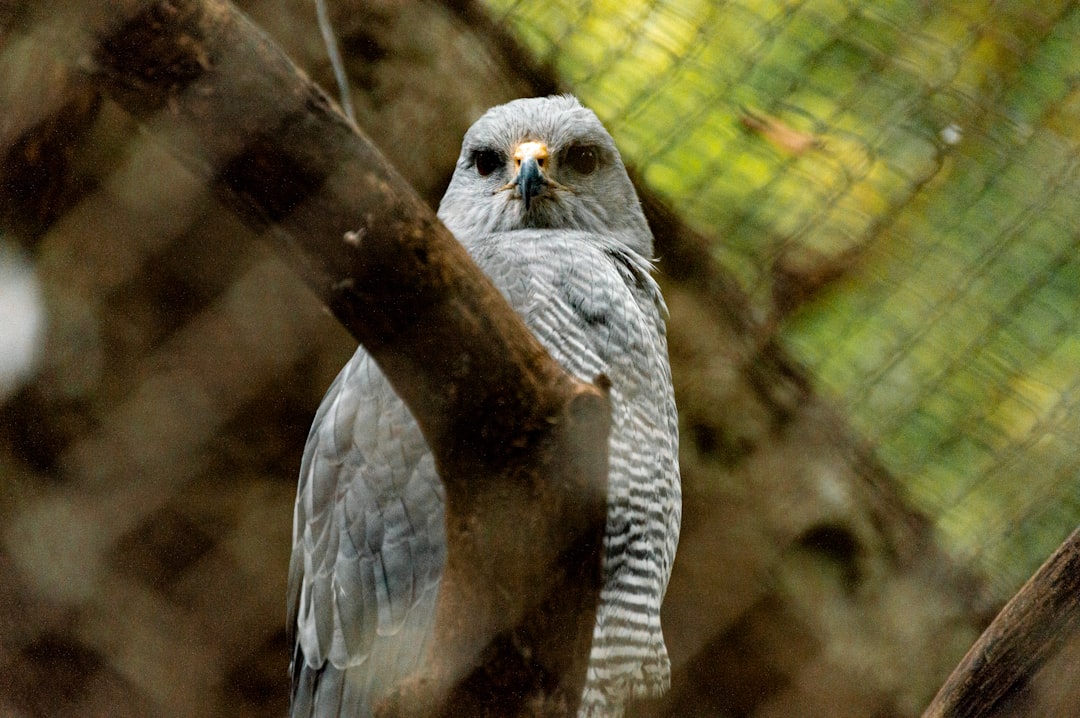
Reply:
x=520, y=446
x=1036, y=625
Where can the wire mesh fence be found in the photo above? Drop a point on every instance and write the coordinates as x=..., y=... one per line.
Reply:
x=896, y=184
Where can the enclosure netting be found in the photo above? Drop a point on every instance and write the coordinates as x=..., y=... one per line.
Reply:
x=897, y=185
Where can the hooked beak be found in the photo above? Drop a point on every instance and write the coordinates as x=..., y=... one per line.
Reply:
x=530, y=158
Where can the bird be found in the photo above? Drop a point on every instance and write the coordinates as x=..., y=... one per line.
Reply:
x=541, y=200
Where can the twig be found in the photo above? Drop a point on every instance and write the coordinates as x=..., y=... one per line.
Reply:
x=332, y=51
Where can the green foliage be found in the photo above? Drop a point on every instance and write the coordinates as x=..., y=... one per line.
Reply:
x=926, y=154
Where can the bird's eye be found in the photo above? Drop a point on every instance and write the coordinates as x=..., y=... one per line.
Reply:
x=487, y=161
x=583, y=159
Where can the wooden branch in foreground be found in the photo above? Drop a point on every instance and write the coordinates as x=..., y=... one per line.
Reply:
x=520, y=446
x=1039, y=621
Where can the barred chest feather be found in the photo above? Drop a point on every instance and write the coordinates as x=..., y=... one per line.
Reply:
x=595, y=307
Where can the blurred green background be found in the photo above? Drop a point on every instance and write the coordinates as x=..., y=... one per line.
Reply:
x=897, y=186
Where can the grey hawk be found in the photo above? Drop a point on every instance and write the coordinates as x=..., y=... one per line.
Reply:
x=541, y=200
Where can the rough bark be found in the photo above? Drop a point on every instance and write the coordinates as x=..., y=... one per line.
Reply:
x=802, y=586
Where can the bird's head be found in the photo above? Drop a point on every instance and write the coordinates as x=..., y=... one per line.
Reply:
x=542, y=163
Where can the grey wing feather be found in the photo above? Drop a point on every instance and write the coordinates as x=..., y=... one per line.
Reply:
x=368, y=547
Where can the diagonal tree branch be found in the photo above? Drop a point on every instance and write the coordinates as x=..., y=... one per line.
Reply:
x=513, y=436
x=1035, y=626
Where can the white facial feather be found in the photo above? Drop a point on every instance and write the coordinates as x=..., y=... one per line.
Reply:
x=602, y=201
